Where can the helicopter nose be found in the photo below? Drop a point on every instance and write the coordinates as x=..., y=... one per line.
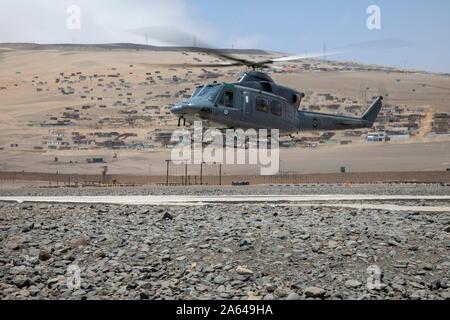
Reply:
x=178, y=109
x=191, y=108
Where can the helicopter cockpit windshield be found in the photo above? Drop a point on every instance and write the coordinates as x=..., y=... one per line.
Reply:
x=197, y=91
x=209, y=92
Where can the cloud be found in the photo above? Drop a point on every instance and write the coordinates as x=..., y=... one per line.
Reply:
x=102, y=21
x=111, y=21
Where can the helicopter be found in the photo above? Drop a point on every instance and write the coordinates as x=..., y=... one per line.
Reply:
x=256, y=101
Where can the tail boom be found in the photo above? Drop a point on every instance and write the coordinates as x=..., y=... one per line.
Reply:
x=311, y=121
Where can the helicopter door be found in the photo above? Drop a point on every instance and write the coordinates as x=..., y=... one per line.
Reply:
x=229, y=110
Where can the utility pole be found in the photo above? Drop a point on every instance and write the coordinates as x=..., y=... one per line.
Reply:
x=167, y=174
x=325, y=52
x=105, y=175
x=195, y=41
x=201, y=174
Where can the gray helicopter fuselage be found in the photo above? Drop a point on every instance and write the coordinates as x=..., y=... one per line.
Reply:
x=262, y=104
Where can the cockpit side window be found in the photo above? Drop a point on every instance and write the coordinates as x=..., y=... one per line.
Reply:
x=227, y=99
x=276, y=108
x=262, y=105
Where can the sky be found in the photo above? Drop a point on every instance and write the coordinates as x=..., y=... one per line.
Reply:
x=291, y=26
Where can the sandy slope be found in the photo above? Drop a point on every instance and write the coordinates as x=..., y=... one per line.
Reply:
x=21, y=104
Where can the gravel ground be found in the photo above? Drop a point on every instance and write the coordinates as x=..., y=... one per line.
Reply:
x=235, y=251
x=379, y=189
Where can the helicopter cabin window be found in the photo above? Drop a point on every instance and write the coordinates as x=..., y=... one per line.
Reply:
x=262, y=105
x=276, y=108
x=227, y=99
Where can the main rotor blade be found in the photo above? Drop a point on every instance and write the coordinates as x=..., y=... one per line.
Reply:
x=193, y=65
x=173, y=36
x=383, y=44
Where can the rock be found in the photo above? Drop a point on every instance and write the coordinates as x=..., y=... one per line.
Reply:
x=144, y=296
x=351, y=243
x=81, y=242
x=54, y=281
x=293, y=296
x=416, y=285
x=426, y=266
x=281, y=292
x=167, y=216
x=299, y=286
x=132, y=286
x=21, y=281
x=220, y=280
x=99, y=254
x=314, y=292
x=243, y=271
x=281, y=235
x=14, y=245
x=437, y=285
x=18, y=270
x=166, y=258
x=414, y=296
x=226, y=250
x=251, y=296
x=394, y=243
x=34, y=291
x=244, y=243
x=332, y=244
x=270, y=287
x=44, y=255
x=398, y=281
x=304, y=237
x=447, y=229
x=353, y=284
x=28, y=228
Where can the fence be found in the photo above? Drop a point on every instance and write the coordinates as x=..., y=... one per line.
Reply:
x=188, y=175
x=212, y=175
